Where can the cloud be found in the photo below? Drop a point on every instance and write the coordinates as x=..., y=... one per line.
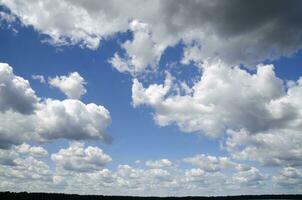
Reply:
x=141, y=52
x=158, y=163
x=35, y=151
x=78, y=158
x=25, y=117
x=54, y=119
x=259, y=112
x=9, y=18
x=20, y=166
x=210, y=163
x=276, y=148
x=73, y=85
x=289, y=177
x=39, y=78
x=83, y=164
x=230, y=31
x=250, y=177
x=10, y=157
x=15, y=92
x=217, y=101
x=72, y=119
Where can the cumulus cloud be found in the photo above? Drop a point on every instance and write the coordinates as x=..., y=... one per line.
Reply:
x=15, y=92
x=35, y=151
x=276, y=148
x=21, y=167
x=87, y=165
x=73, y=85
x=259, y=112
x=78, y=158
x=10, y=156
x=210, y=163
x=158, y=163
x=26, y=118
x=72, y=119
x=217, y=101
x=141, y=52
x=250, y=177
x=54, y=119
x=289, y=177
x=230, y=31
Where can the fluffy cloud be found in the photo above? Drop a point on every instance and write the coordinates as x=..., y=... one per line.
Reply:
x=230, y=30
x=10, y=157
x=39, y=78
x=217, y=101
x=261, y=114
x=141, y=52
x=82, y=169
x=279, y=147
x=35, y=151
x=158, y=163
x=289, y=177
x=26, y=118
x=210, y=163
x=250, y=177
x=20, y=167
x=54, y=119
x=15, y=92
x=73, y=85
x=72, y=119
x=78, y=158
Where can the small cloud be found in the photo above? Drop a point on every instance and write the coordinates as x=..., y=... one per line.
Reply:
x=39, y=78
x=73, y=85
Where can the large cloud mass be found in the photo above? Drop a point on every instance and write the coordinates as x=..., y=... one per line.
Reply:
x=24, y=117
x=236, y=31
x=224, y=97
x=260, y=113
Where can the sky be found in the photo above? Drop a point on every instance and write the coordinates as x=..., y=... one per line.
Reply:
x=151, y=98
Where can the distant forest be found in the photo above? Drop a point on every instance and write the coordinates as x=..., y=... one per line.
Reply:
x=54, y=196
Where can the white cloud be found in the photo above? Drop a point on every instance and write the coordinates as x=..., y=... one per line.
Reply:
x=72, y=119
x=248, y=39
x=26, y=118
x=158, y=163
x=211, y=163
x=54, y=119
x=78, y=158
x=261, y=115
x=250, y=177
x=39, y=78
x=217, y=100
x=141, y=52
x=82, y=169
x=279, y=147
x=35, y=151
x=23, y=166
x=73, y=85
x=15, y=92
x=10, y=156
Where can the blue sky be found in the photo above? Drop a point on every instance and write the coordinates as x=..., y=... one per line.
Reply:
x=135, y=135
x=181, y=111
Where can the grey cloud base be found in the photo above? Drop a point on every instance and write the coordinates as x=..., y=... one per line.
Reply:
x=236, y=31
